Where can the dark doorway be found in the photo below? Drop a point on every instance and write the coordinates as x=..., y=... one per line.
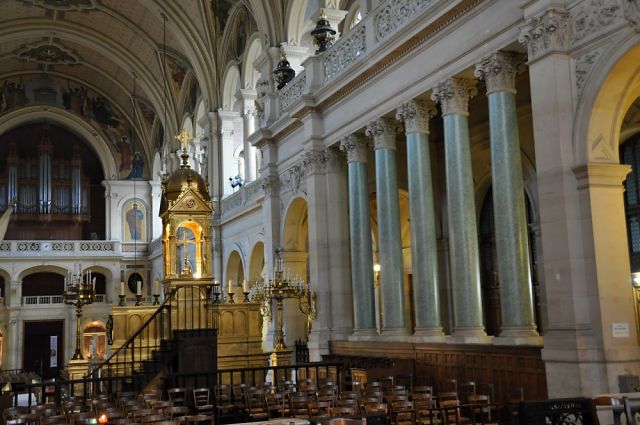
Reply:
x=38, y=356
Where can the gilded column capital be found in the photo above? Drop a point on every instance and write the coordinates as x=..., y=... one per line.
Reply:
x=546, y=33
x=416, y=115
x=356, y=147
x=383, y=131
x=499, y=71
x=454, y=94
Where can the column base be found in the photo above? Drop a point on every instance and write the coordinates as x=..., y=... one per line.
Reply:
x=395, y=334
x=417, y=338
x=281, y=357
x=428, y=332
x=518, y=335
x=364, y=335
x=470, y=335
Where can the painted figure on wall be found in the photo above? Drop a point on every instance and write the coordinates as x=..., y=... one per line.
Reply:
x=137, y=167
x=135, y=219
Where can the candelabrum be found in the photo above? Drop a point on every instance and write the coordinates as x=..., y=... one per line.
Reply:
x=279, y=288
x=79, y=291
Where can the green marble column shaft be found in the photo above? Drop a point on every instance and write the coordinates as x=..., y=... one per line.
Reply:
x=454, y=95
x=424, y=248
x=364, y=322
x=512, y=248
x=384, y=132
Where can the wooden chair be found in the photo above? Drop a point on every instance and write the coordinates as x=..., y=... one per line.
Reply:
x=341, y=421
x=199, y=419
x=277, y=405
x=422, y=389
x=373, y=408
x=202, y=402
x=402, y=413
x=257, y=405
x=450, y=385
x=446, y=396
x=298, y=403
x=343, y=411
x=154, y=418
x=178, y=396
x=53, y=420
x=481, y=409
x=160, y=405
x=426, y=411
x=466, y=389
x=450, y=412
x=319, y=408
x=223, y=401
x=176, y=411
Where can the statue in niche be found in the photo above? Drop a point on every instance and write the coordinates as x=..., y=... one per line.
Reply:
x=186, y=251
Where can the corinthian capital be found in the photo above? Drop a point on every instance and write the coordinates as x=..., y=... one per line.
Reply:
x=499, y=71
x=454, y=94
x=383, y=131
x=356, y=147
x=546, y=33
x=416, y=115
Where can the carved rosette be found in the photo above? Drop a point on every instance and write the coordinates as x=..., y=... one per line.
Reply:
x=546, y=33
x=499, y=71
x=356, y=147
x=383, y=131
x=47, y=53
x=454, y=94
x=416, y=115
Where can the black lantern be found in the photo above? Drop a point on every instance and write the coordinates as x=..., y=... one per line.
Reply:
x=283, y=72
x=323, y=34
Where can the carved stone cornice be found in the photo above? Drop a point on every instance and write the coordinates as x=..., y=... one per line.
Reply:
x=416, y=115
x=269, y=184
x=383, y=131
x=499, y=71
x=631, y=10
x=356, y=147
x=454, y=94
x=546, y=33
x=293, y=177
x=313, y=162
x=335, y=159
x=64, y=5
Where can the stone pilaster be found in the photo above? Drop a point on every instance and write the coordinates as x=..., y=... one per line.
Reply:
x=424, y=250
x=454, y=95
x=512, y=249
x=384, y=131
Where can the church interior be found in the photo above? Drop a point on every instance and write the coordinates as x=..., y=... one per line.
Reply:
x=440, y=189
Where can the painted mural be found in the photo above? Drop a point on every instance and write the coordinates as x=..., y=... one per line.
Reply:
x=91, y=106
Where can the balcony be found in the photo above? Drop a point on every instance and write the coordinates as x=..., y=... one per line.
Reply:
x=66, y=248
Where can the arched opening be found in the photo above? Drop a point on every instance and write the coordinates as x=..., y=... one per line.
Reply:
x=295, y=256
x=55, y=179
x=256, y=263
x=94, y=341
x=235, y=272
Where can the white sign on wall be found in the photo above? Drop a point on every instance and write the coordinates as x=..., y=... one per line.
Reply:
x=620, y=330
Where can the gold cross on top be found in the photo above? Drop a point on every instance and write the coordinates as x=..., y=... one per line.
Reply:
x=184, y=138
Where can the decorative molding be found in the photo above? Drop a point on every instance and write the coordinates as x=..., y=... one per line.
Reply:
x=396, y=14
x=63, y=5
x=292, y=91
x=313, y=162
x=416, y=115
x=499, y=71
x=293, y=177
x=602, y=150
x=335, y=159
x=383, y=132
x=97, y=246
x=584, y=65
x=46, y=53
x=356, y=147
x=454, y=94
x=546, y=33
x=344, y=52
x=593, y=17
x=632, y=13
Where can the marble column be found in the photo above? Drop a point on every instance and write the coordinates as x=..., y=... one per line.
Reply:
x=424, y=248
x=454, y=95
x=512, y=248
x=249, y=122
x=356, y=147
x=383, y=131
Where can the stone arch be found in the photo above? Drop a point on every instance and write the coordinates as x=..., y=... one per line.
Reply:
x=250, y=75
x=234, y=270
x=230, y=85
x=256, y=262
x=296, y=21
x=70, y=121
x=295, y=229
x=608, y=93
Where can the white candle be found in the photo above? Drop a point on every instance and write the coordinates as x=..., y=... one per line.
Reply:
x=156, y=289
x=230, y=286
x=121, y=288
x=138, y=288
x=93, y=282
x=245, y=286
